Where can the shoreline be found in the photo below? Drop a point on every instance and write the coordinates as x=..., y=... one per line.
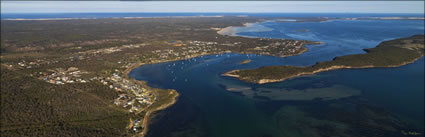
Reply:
x=150, y=113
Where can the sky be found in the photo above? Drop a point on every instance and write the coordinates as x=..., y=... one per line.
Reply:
x=213, y=6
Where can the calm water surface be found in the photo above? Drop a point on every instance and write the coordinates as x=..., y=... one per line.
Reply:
x=205, y=108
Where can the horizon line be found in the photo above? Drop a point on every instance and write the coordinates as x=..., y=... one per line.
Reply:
x=220, y=12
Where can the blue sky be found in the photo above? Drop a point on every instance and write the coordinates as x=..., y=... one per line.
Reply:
x=214, y=6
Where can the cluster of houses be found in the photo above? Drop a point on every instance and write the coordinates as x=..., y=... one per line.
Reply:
x=195, y=48
x=77, y=57
x=289, y=47
x=133, y=97
x=62, y=76
x=202, y=43
x=31, y=64
x=191, y=49
x=137, y=125
x=282, y=48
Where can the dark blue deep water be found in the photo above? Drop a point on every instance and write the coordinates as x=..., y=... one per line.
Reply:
x=206, y=108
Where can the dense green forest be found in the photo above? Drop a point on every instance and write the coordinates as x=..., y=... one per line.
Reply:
x=31, y=107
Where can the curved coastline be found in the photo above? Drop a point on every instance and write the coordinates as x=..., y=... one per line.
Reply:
x=149, y=113
x=221, y=31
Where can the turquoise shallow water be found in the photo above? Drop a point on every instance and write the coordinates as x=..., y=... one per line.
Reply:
x=206, y=108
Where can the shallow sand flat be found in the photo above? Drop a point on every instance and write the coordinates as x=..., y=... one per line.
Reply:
x=247, y=27
x=230, y=31
x=246, y=91
x=327, y=93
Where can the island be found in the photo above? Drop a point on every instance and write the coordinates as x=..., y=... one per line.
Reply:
x=392, y=53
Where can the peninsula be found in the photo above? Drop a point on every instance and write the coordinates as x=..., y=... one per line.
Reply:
x=392, y=53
